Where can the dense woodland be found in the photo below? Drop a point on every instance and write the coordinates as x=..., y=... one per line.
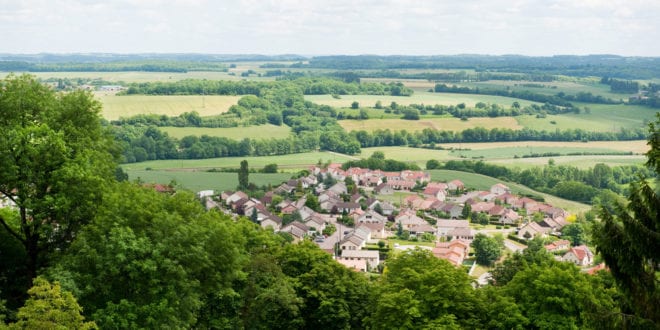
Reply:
x=84, y=249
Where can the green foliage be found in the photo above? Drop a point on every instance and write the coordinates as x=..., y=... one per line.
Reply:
x=628, y=239
x=574, y=232
x=418, y=290
x=49, y=307
x=56, y=161
x=432, y=164
x=487, y=249
x=270, y=168
x=243, y=176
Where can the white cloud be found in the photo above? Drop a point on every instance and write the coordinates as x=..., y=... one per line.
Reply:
x=628, y=27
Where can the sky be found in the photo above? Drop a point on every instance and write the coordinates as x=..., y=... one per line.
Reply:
x=325, y=27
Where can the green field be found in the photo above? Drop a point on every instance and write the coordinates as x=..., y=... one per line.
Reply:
x=197, y=181
x=294, y=161
x=115, y=106
x=267, y=131
x=482, y=182
x=437, y=123
x=550, y=88
x=418, y=98
x=603, y=118
x=503, y=153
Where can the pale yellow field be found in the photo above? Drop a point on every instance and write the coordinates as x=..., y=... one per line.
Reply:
x=637, y=147
x=115, y=107
x=448, y=124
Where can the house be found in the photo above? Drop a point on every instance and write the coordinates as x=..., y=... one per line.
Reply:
x=454, y=251
x=509, y=217
x=496, y=211
x=297, y=229
x=204, y=194
x=464, y=234
x=386, y=207
x=454, y=210
x=559, y=245
x=384, y=189
x=371, y=217
x=555, y=212
x=273, y=222
x=338, y=188
x=347, y=207
x=377, y=230
x=499, y=189
x=354, y=264
x=316, y=222
x=233, y=198
x=435, y=192
x=421, y=229
x=556, y=224
x=445, y=226
x=579, y=255
x=408, y=219
x=371, y=257
x=353, y=241
x=455, y=185
x=533, y=229
x=482, y=207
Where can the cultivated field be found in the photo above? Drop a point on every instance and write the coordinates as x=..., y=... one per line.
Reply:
x=603, y=118
x=637, y=147
x=550, y=88
x=115, y=106
x=418, y=98
x=582, y=162
x=437, y=123
x=143, y=76
x=267, y=131
x=293, y=162
x=196, y=181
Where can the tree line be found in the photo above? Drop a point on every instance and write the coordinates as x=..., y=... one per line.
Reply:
x=569, y=182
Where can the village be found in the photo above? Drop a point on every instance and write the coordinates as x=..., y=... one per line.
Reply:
x=350, y=214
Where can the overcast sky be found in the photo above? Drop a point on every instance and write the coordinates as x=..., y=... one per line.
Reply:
x=314, y=27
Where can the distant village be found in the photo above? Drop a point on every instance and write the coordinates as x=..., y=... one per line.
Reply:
x=352, y=213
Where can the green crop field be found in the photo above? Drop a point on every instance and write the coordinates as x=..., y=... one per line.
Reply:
x=196, y=181
x=636, y=146
x=294, y=162
x=582, y=162
x=267, y=131
x=115, y=106
x=521, y=151
x=437, y=123
x=482, y=182
x=418, y=98
x=603, y=118
x=550, y=88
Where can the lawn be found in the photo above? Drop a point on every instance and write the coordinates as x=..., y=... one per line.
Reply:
x=550, y=88
x=439, y=123
x=293, y=161
x=197, y=181
x=418, y=98
x=171, y=105
x=267, y=131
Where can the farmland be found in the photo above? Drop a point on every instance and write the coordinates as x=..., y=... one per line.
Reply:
x=438, y=123
x=295, y=161
x=603, y=118
x=267, y=131
x=115, y=106
x=425, y=98
x=196, y=181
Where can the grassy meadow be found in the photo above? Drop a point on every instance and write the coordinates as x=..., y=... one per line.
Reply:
x=572, y=87
x=418, y=98
x=196, y=181
x=437, y=123
x=267, y=131
x=115, y=106
x=294, y=162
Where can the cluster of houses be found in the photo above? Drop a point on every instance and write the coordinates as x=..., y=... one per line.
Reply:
x=375, y=220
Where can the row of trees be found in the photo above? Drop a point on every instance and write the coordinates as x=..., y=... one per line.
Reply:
x=565, y=181
x=479, y=134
